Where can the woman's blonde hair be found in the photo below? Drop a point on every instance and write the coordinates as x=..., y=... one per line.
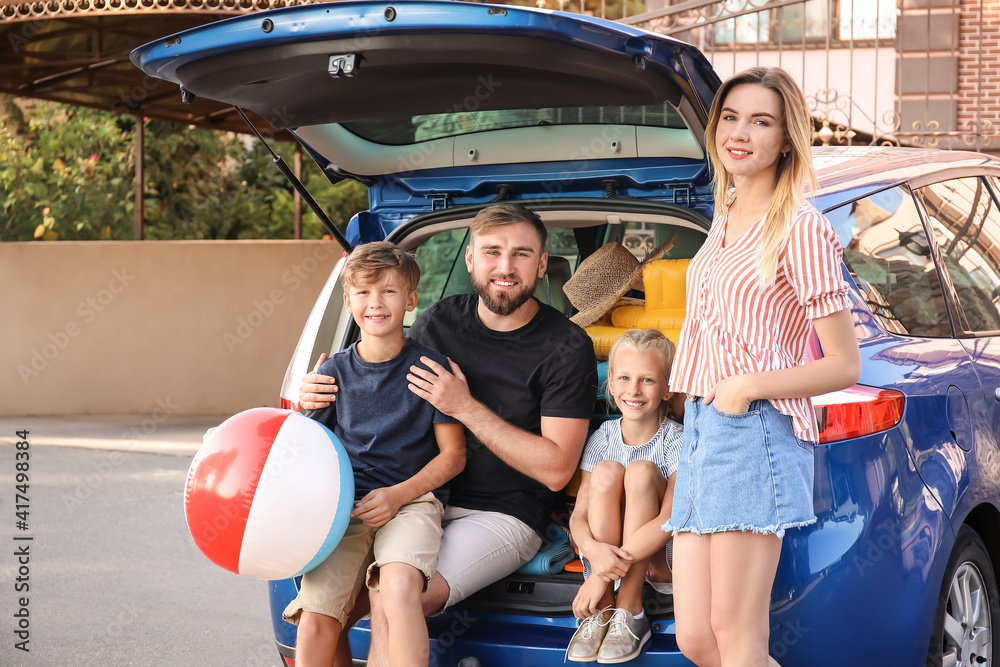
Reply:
x=642, y=340
x=795, y=168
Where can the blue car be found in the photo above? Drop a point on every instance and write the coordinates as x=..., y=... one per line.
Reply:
x=444, y=107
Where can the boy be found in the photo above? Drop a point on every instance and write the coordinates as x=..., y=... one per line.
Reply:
x=402, y=451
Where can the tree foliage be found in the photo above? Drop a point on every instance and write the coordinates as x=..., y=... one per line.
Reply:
x=68, y=173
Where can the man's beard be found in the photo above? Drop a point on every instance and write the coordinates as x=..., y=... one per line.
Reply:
x=504, y=303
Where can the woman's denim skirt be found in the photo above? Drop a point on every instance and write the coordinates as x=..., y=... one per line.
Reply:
x=745, y=472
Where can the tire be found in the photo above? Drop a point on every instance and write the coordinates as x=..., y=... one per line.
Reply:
x=968, y=609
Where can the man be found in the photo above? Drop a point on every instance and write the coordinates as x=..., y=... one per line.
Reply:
x=522, y=381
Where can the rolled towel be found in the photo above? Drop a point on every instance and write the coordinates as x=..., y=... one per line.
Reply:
x=552, y=556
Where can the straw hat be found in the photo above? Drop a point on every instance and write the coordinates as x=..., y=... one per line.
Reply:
x=602, y=279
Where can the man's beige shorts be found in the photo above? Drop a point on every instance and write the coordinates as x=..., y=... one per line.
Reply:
x=413, y=537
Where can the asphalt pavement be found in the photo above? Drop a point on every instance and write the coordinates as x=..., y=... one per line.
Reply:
x=96, y=563
x=159, y=431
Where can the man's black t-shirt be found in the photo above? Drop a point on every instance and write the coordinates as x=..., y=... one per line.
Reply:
x=546, y=368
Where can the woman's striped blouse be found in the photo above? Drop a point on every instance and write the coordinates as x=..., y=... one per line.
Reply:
x=731, y=327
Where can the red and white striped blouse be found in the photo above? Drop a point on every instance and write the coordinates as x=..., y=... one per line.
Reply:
x=731, y=327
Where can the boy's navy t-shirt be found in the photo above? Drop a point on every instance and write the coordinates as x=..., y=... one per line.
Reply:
x=388, y=430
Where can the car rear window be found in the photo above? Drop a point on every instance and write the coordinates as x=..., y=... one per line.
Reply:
x=427, y=127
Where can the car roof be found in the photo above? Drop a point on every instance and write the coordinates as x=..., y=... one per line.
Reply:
x=844, y=170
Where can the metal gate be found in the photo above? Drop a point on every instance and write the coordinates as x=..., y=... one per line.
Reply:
x=902, y=72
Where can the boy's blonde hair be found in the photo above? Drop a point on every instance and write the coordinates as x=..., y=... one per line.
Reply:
x=369, y=262
x=795, y=168
x=642, y=340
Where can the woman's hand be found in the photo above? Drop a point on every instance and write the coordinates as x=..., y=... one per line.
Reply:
x=732, y=395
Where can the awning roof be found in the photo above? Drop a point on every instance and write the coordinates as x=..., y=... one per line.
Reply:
x=77, y=52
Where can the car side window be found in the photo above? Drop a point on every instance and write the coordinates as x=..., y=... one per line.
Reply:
x=888, y=254
x=437, y=259
x=965, y=223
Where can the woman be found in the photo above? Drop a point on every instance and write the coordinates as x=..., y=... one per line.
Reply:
x=770, y=268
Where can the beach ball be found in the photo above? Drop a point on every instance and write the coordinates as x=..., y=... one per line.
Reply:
x=269, y=494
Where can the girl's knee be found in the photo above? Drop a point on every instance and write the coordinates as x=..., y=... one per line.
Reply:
x=607, y=476
x=641, y=476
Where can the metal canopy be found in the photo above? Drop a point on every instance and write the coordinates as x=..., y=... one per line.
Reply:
x=77, y=52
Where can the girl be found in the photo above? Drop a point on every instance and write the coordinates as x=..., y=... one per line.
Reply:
x=627, y=482
x=770, y=267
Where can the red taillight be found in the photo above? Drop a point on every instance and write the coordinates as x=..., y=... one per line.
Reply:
x=857, y=411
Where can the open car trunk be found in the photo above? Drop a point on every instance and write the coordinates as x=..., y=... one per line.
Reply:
x=439, y=240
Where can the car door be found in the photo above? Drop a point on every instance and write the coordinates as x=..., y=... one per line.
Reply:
x=964, y=220
x=889, y=253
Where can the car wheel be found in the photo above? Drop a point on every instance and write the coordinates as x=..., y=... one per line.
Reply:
x=967, y=611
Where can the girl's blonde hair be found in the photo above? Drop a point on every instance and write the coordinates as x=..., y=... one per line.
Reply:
x=642, y=340
x=795, y=168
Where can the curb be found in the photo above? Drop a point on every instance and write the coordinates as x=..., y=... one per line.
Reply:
x=176, y=435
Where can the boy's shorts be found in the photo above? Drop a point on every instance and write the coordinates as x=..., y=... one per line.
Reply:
x=413, y=537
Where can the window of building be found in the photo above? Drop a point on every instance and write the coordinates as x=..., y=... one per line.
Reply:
x=746, y=29
x=810, y=21
x=866, y=20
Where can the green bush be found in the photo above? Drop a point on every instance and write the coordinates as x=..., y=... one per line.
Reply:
x=68, y=173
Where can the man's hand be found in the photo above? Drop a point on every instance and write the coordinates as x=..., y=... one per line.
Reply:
x=317, y=391
x=607, y=561
x=448, y=392
x=377, y=507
